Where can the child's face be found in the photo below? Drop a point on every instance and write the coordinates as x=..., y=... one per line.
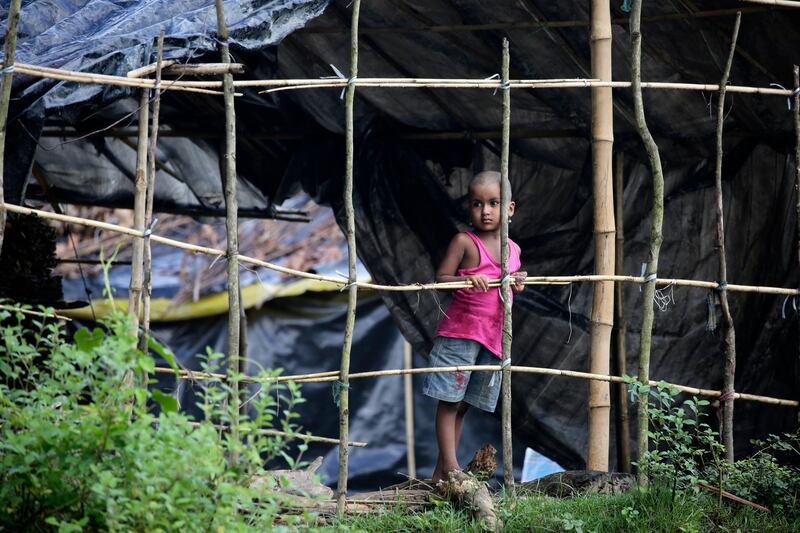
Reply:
x=484, y=207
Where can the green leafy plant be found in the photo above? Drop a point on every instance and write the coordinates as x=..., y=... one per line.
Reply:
x=81, y=448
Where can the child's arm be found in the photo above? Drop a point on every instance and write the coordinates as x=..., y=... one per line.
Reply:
x=453, y=259
x=519, y=276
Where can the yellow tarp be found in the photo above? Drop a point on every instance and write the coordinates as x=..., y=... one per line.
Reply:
x=165, y=310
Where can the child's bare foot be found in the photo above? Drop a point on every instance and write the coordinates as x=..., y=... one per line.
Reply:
x=441, y=472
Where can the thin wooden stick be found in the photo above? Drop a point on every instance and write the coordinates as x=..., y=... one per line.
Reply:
x=203, y=69
x=732, y=497
x=505, y=288
x=139, y=208
x=408, y=387
x=728, y=330
x=623, y=428
x=602, y=317
x=530, y=280
x=796, y=117
x=152, y=156
x=300, y=436
x=149, y=69
x=9, y=51
x=343, y=383
x=655, y=227
x=232, y=228
x=33, y=313
x=777, y=3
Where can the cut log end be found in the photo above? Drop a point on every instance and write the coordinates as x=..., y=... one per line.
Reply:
x=472, y=495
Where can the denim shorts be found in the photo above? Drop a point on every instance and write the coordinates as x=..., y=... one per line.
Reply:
x=479, y=388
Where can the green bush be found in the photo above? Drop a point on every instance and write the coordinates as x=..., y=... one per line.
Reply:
x=81, y=447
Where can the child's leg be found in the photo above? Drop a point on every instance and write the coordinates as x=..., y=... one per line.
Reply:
x=446, y=416
x=451, y=418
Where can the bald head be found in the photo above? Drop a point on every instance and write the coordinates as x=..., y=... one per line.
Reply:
x=487, y=177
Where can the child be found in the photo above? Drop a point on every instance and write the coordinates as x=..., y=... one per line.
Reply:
x=471, y=331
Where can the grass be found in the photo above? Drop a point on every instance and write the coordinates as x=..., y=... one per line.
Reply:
x=637, y=511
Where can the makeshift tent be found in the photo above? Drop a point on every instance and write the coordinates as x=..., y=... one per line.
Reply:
x=416, y=149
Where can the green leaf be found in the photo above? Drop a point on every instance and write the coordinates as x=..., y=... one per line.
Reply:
x=163, y=351
x=86, y=341
x=168, y=403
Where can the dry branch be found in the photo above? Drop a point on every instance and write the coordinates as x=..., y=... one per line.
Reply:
x=9, y=52
x=623, y=429
x=149, y=69
x=30, y=312
x=203, y=69
x=728, y=331
x=139, y=208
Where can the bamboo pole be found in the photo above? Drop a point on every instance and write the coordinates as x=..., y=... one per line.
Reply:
x=139, y=207
x=602, y=319
x=796, y=116
x=396, y=83
x=306, y=437
x=319, y=378
x=505, y=292
x=728, y=330
x=33, y=313
x=152, y=156
x=623, y=429
x=149, y=69
x=343, y=383
x=232, y=228
x=9, y=52
x=408, y=387
x=655, y=227
x=530, y=280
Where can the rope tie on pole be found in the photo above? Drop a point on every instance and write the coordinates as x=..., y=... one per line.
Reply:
x=339, y=75
x=795, y=92
x=504, y=286
x=149, y=230
x=336, y=390
x=783, y=307
x=7, y=70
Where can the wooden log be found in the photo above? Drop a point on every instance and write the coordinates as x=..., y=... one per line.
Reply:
x=146, y=70
x=728, y=330
x=139, y=208
x=602, y=317
x=472, y=495
x=203, y=69
x=299, y=482
x=505, y=288
x=9, y=51
x=343, y=383
x=623, y=429
x=656, y=223
x=152, y=156
x=231, y=228
x=574, y=482
x=483, y=464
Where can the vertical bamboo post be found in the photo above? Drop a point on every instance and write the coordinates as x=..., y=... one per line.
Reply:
x=623, y=429
x=505, y=199
x=343, y=384
x=139, y=202
x=602, y=190
x=9, y=52
x=728, y=330
x=408, y=386
x=656, y=223
x=796, y=113
x=232, y=229
x=152, y=154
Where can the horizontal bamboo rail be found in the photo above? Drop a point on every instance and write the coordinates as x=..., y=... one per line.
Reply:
x=530, y=280
x=399, y=83
x=299, y=436
x=777, y=3
x=324, y=377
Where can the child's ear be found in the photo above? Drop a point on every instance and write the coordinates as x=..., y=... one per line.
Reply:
x=511, y=206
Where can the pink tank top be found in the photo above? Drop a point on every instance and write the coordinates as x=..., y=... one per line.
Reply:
x=478, y=315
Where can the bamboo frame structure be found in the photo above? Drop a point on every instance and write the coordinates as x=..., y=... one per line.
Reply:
x=152, y=158
x=655, y=228
x=796, y=121
x=602, y=315
x=343, y=383
x=601, y=87
x=623, y=430
x=728, y=330
x=9, y=53
x=505, y=286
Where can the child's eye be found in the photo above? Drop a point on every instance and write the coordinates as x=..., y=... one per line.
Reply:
x=495, y=203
